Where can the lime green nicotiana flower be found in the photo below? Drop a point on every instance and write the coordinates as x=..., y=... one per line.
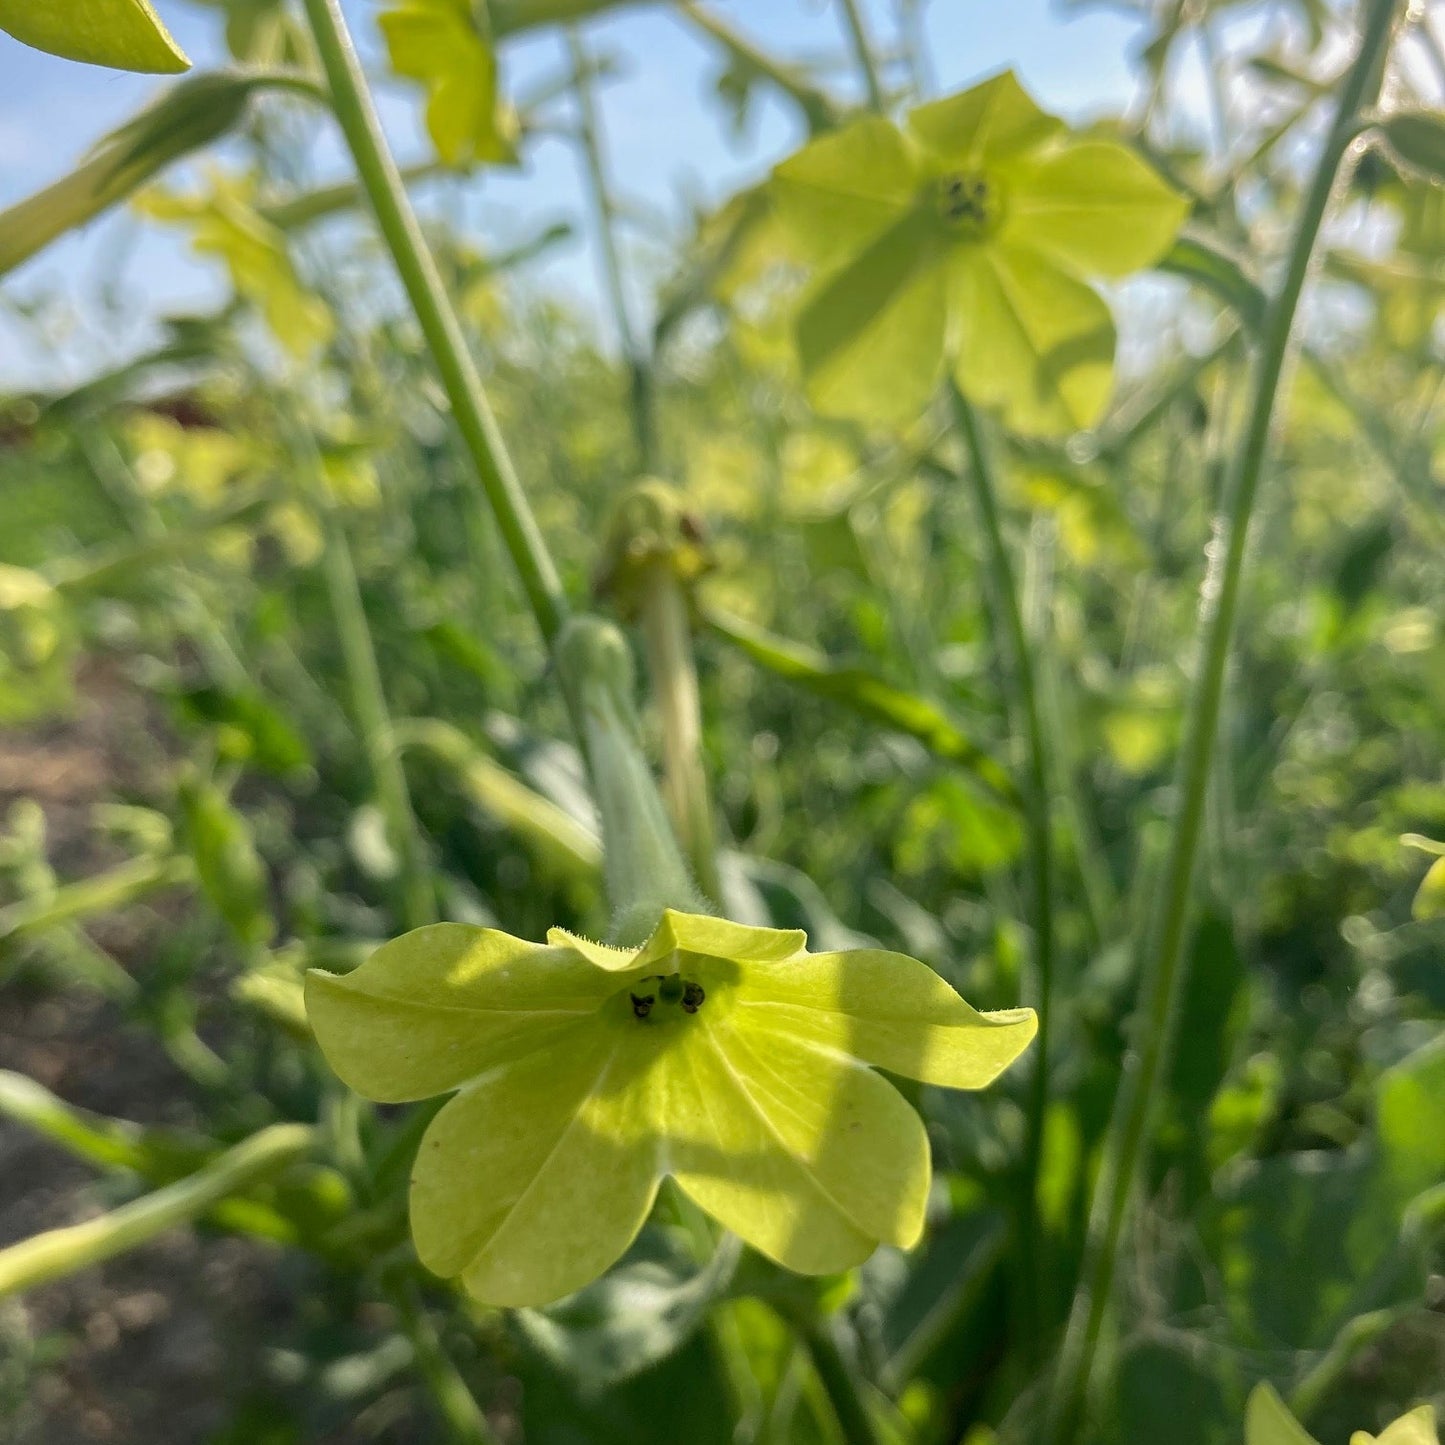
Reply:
x=726, y=1057
x=1268, y=1421
x=964, y=239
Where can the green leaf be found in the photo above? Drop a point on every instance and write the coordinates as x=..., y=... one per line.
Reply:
x=864, y=692
x=724, y=1056
x=994, y=121
x=439, y=43
x=870, y=338
x=1036, y=343
x=647, y=1308
x=225, y=225
x=1417, y=140
x=1267, y=1420
x=194, y=113
x=230, y=870
x=1197, y=260
x=121, y=34
x=1093, y=206
x=839, y=192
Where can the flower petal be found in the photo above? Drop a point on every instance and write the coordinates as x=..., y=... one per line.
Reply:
x=994, y=121
x=1095, y=206
x=439, y=1005
x=537, y=1177
x=886, y=1009
x=808, y=1156
x=1033, y=340
x=600, y=955
x=870, y=337
x=839, y=192
x=717, y=938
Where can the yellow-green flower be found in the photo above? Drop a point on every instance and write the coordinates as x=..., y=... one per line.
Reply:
x=725, y=1057
x=1268, y=1421
x=964, y=238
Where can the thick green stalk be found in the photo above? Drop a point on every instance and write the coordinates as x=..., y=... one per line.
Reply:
x=356, y=113
x=642, y=864
x=1018, y=651
x=604, y=214
x=59, y=1252
x=662, y=611
x=1163, y=958
x=863, y=54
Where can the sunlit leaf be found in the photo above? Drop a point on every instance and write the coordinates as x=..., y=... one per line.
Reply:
x=120, y=34
x=193, y=113
x=1417, y=139
x=439, y=43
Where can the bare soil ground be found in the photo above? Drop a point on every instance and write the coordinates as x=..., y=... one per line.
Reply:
x=148, y=1348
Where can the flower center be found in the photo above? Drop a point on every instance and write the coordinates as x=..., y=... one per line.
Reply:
x=969, y=203
x=665, y=992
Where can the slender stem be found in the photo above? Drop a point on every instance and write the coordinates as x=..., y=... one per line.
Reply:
x=863, y=54
x=103, y=893
x=465, y=1422
x=1163, y=957
x=417, y=268
x=1029, y=714
x=639, y=365
x=819, y=109
x=839, y=1379
x=59, y=1252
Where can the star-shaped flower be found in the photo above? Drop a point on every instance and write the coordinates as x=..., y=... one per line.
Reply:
x=1268, y=1421
x=964, y=239
x=726, y=1057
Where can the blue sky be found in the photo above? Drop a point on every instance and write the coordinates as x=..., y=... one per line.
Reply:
x=666, y=134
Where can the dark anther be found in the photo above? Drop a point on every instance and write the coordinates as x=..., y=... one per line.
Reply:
x=641, y=1006
x=966, y=201
x=692, y=997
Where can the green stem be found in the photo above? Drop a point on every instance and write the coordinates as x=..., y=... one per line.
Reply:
x=642, y=863
x=839, y=1378
x=1018, y=651
x=105, y=892
x=461, y=1414
x=356, y=113
x=604, y=215
x=666, y=623
x=59, y=1252
x=863, y=54
x=818, y=109
x=1164, y=954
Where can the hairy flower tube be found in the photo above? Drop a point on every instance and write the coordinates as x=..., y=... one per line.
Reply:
x=726, y=1057
x=964, y=239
